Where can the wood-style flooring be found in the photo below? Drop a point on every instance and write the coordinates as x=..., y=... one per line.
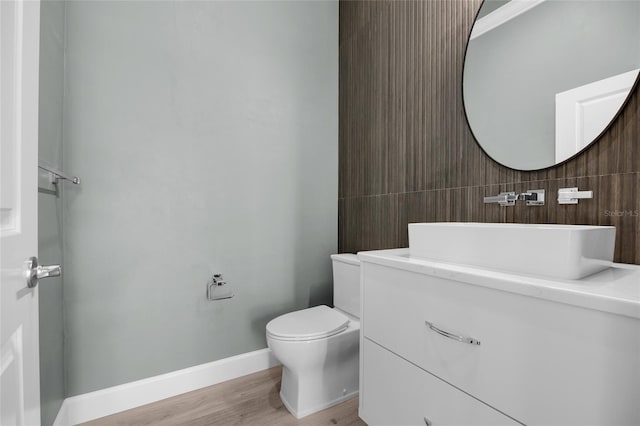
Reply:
x=248, y=400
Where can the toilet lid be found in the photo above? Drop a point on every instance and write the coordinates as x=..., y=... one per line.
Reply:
x=312, y=323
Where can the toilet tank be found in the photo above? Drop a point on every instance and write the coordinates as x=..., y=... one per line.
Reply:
x=346, y=283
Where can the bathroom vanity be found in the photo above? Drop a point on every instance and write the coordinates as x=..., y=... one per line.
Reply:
x=452, y=344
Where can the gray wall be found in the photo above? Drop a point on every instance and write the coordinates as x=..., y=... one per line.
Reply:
x=206, y=137
x=513, y=72
x=50, y=234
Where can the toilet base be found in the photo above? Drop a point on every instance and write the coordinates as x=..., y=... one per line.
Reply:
x=305, y=413
x=316, y=390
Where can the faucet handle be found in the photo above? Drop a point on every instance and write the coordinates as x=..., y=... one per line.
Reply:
x=572, y=195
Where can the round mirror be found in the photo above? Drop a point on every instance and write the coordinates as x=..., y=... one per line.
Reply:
x=543, y=79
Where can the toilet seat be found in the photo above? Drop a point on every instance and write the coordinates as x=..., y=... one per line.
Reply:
x=308, y=324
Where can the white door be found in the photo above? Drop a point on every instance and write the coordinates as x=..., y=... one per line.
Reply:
x=582, y=113
x=19, y=374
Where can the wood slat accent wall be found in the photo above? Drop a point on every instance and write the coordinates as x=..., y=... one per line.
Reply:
x=406, y=152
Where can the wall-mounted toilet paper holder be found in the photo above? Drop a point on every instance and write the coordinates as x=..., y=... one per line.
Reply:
x=217, y=288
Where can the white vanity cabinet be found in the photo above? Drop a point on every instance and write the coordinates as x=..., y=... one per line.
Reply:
x=526, y=359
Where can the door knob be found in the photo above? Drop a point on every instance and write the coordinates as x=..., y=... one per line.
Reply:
x=36, y=272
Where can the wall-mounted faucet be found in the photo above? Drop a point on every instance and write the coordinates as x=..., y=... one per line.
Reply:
x=216, y=289
x=533, y=197
x=503, y=198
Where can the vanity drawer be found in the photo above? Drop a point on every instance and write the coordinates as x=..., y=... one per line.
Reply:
x=538, y=361
x=398, y=393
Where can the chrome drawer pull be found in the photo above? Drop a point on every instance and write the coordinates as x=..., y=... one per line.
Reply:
x=462, y=339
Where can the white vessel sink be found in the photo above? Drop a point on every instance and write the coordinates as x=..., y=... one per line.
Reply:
x=558, y=251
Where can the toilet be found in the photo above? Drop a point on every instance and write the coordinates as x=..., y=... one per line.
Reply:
x=319, y=347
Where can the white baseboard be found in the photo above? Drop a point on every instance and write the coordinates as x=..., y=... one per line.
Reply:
x=62, y=419
x=93, y=405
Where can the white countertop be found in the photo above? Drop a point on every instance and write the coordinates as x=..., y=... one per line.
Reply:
x=615, y=290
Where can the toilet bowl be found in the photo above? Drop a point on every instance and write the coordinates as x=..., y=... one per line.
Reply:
x=319, y=346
